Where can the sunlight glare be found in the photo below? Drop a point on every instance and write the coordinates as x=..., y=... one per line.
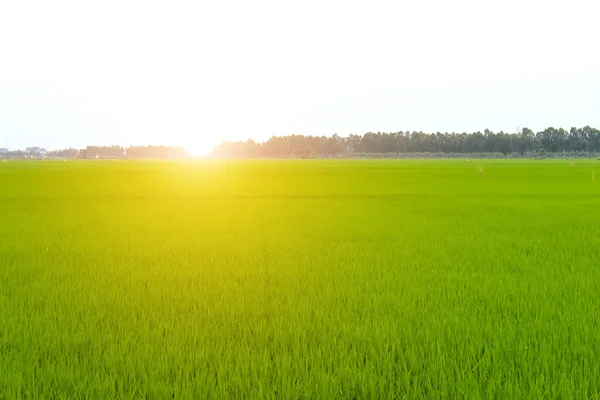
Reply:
x=198, y=149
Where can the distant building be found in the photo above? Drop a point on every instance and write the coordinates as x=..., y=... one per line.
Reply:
x=3, y=150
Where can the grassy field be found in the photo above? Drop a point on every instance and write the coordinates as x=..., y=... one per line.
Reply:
x=299, y=279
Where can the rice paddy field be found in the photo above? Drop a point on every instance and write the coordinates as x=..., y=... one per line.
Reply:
x=317, y=279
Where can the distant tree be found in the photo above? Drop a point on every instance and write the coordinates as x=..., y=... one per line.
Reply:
x=65, y=153
x=541, y=152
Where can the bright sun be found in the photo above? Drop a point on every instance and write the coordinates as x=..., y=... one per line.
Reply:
x=198, y=149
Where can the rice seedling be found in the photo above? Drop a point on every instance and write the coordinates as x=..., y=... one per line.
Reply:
x=298, y=279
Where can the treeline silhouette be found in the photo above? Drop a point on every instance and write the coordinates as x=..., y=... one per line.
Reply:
x=133, y=152
x=576, y=142
x=398, y=144
x=65, y=153
x=100, y=152
x=122, y=152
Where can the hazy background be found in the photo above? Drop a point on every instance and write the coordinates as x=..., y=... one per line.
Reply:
x=73, y=73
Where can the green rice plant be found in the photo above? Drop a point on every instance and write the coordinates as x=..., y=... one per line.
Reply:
x=298, y=279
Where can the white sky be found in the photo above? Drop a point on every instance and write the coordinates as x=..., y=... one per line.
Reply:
x=74, y=73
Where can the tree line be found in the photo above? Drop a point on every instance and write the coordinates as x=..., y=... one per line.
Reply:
x=133, y=152
x=101, y=152
x=551, y=141
x=525, y=142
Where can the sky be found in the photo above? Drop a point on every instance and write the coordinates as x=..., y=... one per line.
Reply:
x=194, y=73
